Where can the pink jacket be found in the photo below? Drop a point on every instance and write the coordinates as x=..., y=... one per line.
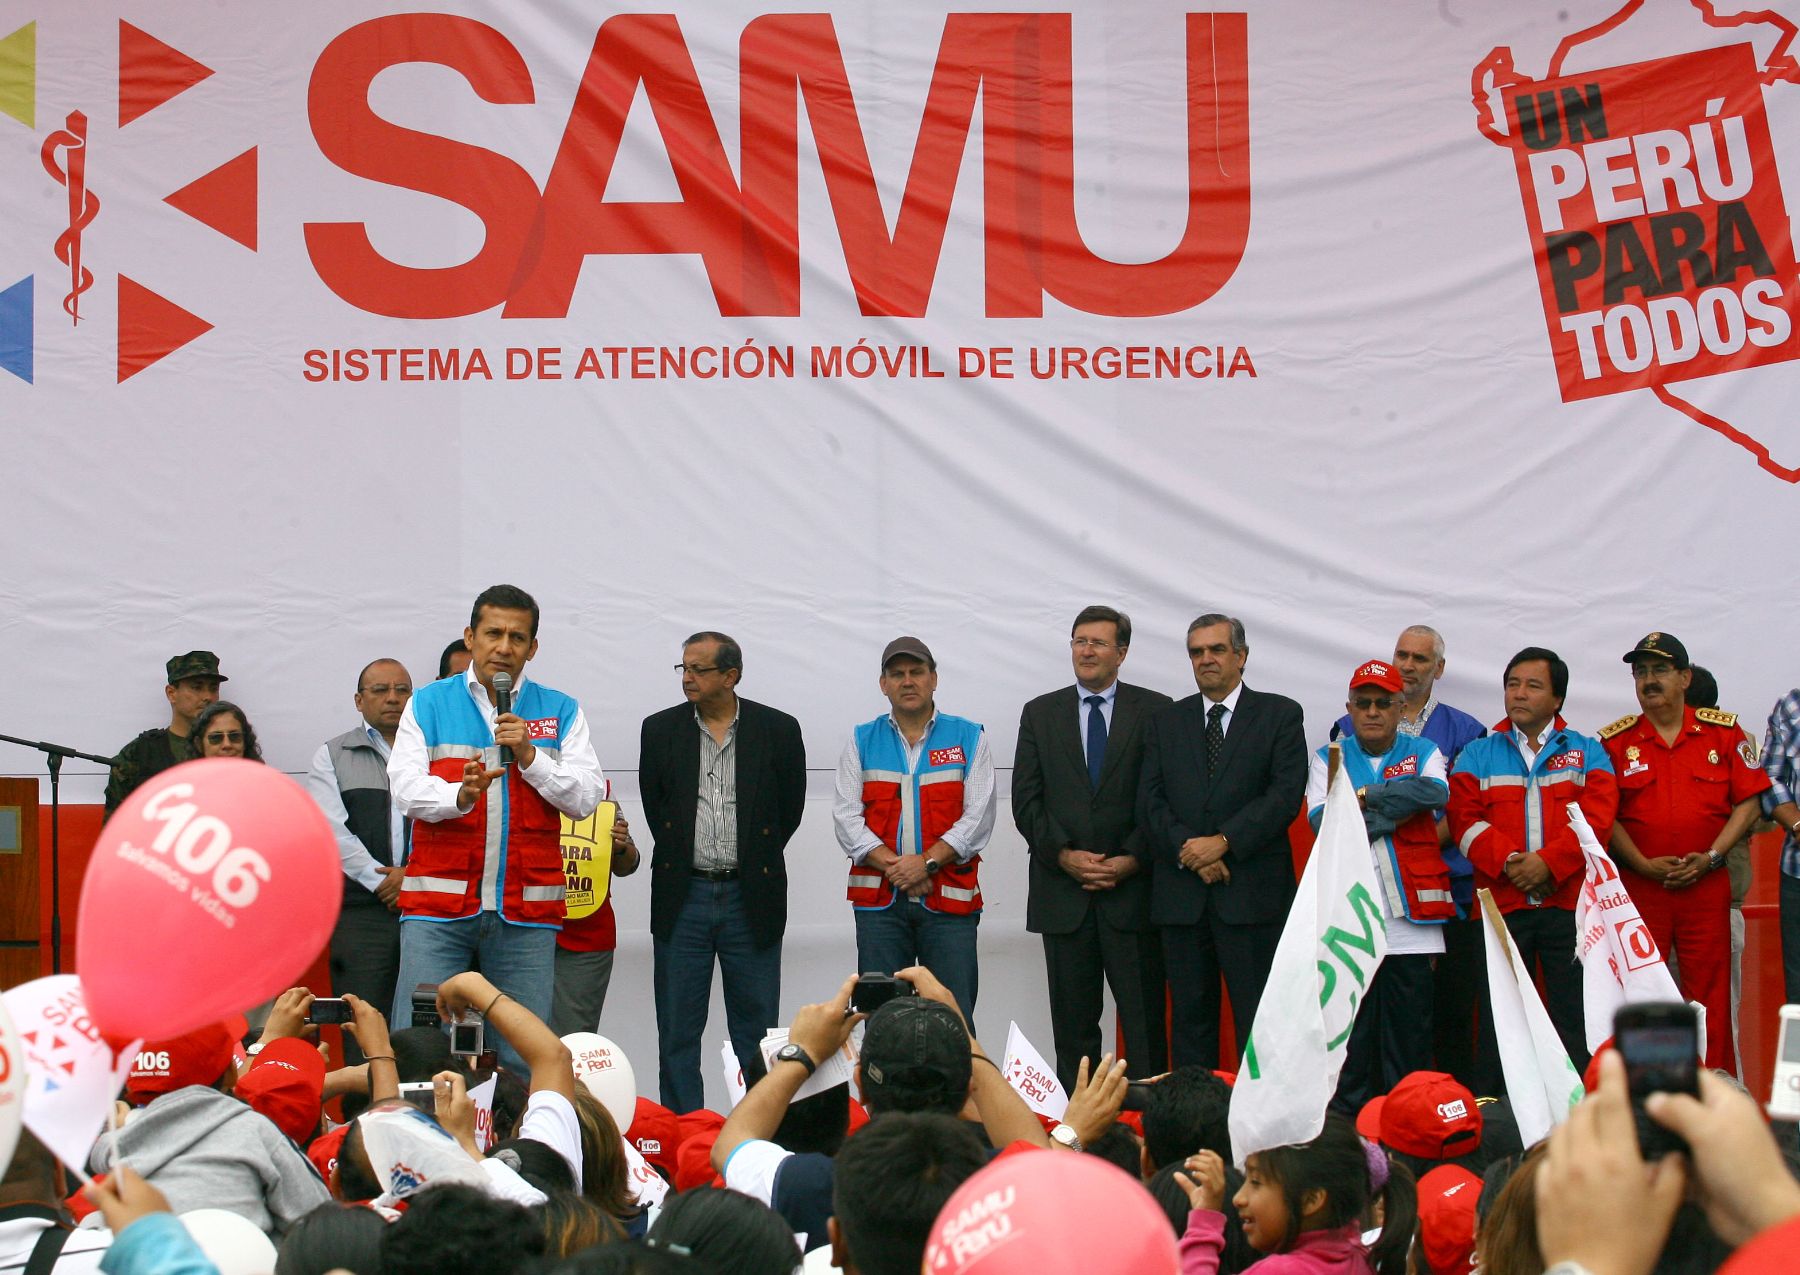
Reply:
x=1338, y=1252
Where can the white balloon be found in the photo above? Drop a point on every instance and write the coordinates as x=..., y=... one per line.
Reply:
x=231, y=1240
x=603, y=1067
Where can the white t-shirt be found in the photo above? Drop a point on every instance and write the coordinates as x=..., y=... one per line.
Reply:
x=550, y=1119
x=81, y=1253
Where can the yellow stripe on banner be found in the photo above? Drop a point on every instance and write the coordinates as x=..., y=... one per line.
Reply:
x=18, y=75
x=587, y=859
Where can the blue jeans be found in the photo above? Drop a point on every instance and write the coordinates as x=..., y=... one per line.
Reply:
x=712, y=923
x=906, y=933
x=520, y=960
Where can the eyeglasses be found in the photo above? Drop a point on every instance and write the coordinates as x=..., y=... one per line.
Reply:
x=696, y=669
x=224, y=736
x=382, y=690
x=1364, y=703
x=1091, y=644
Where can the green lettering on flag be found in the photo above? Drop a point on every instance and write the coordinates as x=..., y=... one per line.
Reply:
x=1250, y=1058
x=1338, y=941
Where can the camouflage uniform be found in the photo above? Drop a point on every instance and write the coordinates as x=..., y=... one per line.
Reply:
x=157, y=750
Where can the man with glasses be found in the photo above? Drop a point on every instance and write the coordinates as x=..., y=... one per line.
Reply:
x=913, y=812
x=1074, y=798
x=349, y=780
x=1509, y=798
x=1401, y=785
x=1689, y=789
x=723, y=780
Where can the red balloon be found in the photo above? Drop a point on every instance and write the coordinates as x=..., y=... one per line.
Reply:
x=210, y=890
x=1045, y=1211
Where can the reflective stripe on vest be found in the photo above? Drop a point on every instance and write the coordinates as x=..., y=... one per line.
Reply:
x=896, y=811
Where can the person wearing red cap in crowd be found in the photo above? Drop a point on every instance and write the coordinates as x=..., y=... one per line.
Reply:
x=1689, y=785
x=1400, y=784
x=1447, y=1198
x=1509, y=800
x=1427, y=1118
x=200, y=1146
x=286, y=1083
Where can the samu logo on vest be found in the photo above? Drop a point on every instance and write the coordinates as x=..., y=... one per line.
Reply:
x=948, y=756
x=1570, y=760
x=542, y=727
x=1402, y=769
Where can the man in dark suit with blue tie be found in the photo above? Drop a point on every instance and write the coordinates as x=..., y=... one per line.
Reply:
x=1224, y=774
x=1074, y=797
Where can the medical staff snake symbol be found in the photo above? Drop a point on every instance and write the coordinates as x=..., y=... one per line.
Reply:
x=84, y=206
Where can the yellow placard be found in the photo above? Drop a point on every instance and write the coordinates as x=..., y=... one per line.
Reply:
x=587, y=859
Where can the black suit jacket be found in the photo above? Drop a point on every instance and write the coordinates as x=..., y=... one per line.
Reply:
x=1252, y=799
x=771, y=793
x=1055, y=807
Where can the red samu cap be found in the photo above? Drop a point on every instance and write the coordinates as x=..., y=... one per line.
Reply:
x=286, y=1083
x=1447, y=1222
x=1377, y=673
x=656, y=1133
x=1428, y=1114
x=198, y=1057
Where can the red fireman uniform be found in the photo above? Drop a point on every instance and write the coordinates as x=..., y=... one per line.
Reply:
x=1673, y=800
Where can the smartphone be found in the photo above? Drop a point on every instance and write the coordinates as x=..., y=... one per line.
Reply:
x=468, y=1035
x=327, y=1010
x=1660, y=1043
x=875, y=990
x=1137, y=1095
x=1784, y=1090
x=420, y=1093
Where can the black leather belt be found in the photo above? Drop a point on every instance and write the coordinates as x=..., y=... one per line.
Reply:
x=715, y=874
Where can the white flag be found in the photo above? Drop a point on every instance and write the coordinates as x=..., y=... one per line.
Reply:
x=1620, y=962
x=482, y=1095
x=735, y=1088
x=1331, y=946
x=839, y=1069
x=73, y=1074
x=1026, y=1071
x=12, y=1090
x=1540, y=1080
x=645, y=1185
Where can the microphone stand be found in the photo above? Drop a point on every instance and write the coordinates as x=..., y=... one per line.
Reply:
x=54, y=755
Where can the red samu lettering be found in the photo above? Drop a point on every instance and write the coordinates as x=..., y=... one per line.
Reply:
x=948, y=756
x=542, y=727
x=1402, y=769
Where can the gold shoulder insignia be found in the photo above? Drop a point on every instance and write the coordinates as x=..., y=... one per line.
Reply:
x=1623, y=724
x=1715, y=717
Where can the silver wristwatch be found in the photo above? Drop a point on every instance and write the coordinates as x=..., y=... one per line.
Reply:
x=1066, y=1136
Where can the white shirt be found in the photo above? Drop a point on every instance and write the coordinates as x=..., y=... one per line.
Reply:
x=968, y=836
x=1530, y=748
x=573, y=783
x=82, y=1252
x=1230, y=702
x=1084, y=709
x=321, y=781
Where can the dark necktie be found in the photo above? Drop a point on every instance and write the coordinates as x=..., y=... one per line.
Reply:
x=1096, y=739
x=1215, y=736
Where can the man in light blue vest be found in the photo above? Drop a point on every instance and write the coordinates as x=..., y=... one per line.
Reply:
x=914, y=810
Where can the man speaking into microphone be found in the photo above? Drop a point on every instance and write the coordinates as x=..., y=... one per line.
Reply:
x=483, y=761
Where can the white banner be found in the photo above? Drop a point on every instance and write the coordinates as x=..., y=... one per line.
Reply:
x=1330, y=948
x=1027, y=1071
x=1620, y=961
x=1541, y=1081
x=74, y=1075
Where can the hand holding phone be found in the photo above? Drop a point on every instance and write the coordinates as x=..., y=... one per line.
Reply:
x=1660, y=1044
x=328, y=1010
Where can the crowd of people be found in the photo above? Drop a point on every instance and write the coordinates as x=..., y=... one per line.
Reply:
x=1161, y=867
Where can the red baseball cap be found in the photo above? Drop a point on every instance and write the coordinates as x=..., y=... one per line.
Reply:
x=1447, y=1198
x=325, y=1150
x=1428, y=1114
x=198, y=1057
x=286, y=1083
x=656, y=1133
x=1377, y=673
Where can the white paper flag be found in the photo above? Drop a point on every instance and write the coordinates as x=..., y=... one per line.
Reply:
x=735, y=1088
x=73, y=1075
x=1330, y=948
x=1540, y=1080
x=1620, y=962
x=12, y=1090
x=1026, y=1071
x=647, y=1186
x=482, y=1095
x=835, y=1070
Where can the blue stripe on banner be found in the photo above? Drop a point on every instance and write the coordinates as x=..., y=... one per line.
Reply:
x=15, y=329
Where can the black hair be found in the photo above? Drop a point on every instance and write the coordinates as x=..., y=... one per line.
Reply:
x=386, y=659
x=511, y=1096
x=455, y=1229
x=730, y=655
x=1703, y=688
x=1334, y=1162
x=540, y=1164
x=218, y=708
x=892, y=1179
x=458, y=647
x=1559, y=671
x=356, y=1178
x=1118, y=1145
x=1237, y=1255
x=1104, y=615
x=632, y=1257
x=334, y=1236
x=1240, y=643
x=728, y=1231
x=1693, y=1247
x=504, y=597
x=1399, y=1200
x=1184, y=1113
x=816, y=1124
x=421, y=1052
x=573, y=1222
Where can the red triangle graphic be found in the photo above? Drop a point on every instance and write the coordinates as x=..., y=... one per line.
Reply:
x=151, y=327
x=151, y=72
x=30, y=1037
x=224, y=199
x=69, y=1067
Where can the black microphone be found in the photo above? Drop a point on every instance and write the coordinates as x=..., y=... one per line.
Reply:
x=503, y=705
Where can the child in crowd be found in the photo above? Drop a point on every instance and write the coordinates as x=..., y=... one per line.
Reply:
x=1299, y=1207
